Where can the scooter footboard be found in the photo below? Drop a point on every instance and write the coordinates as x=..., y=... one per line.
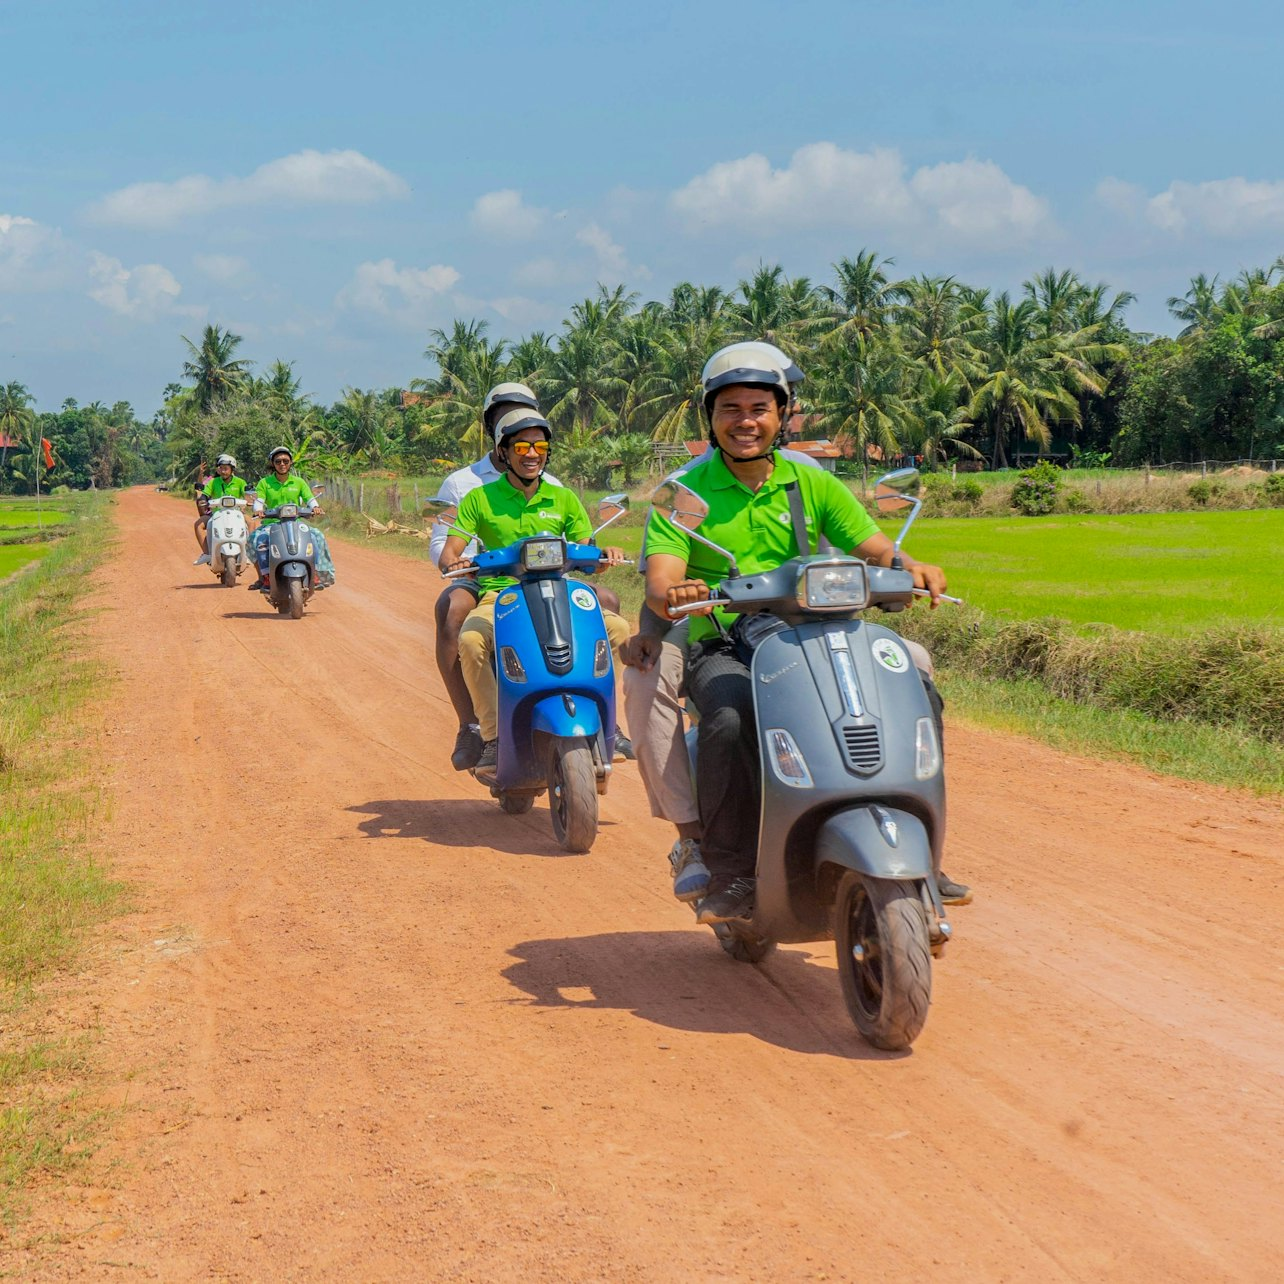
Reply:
x=883, y=842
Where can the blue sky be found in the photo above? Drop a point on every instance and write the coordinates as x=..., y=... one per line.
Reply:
x=333, y=180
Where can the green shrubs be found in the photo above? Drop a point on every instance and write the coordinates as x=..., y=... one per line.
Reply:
x=1035, y=492
x=1229, y=676
x=1203, y=490
x=1273, y=490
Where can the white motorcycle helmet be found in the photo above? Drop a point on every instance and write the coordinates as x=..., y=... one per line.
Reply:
x=224, y=459
x=505, y=394
x=744, y=364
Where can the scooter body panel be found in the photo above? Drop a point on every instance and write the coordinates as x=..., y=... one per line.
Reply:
x=550, y=638
x=291, y=556
x=847, y=693
x=228, y=538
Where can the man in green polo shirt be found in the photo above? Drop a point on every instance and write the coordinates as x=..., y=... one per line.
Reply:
x=283, y=486
x=744, y=484
x=222, y=483
x=517, y=504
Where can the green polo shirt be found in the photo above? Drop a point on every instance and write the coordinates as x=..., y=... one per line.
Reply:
x=273, y=493
x=216, y=487
x=499, y=514
x=755, y=526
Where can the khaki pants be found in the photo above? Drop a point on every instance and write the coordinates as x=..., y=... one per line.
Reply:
x=653, y=710
x=477, y=659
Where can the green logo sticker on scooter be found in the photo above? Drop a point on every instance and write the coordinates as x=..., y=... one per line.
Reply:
x=507, y=599
x=890, y=655
x=583, y=598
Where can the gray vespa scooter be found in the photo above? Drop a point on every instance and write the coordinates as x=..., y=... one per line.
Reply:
x=292, y=563
x=852, y=818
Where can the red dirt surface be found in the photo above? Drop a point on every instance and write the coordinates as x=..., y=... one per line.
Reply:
x=364, y=1026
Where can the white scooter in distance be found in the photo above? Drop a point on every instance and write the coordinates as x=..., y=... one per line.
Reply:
x=227, y=537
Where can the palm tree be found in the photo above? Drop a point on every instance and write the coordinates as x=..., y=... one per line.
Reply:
x=862, y=298
x=1032, y=380
x=939, y=328
x=16, y=416
x=1198, y=307
x=214, y=368
x=467, y=377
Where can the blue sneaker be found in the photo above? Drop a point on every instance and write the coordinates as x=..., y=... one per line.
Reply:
x=690, y=877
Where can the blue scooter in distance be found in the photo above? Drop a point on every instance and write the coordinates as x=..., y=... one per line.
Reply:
x=556, y=677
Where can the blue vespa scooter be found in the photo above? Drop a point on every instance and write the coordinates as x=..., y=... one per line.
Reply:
x=556, y=678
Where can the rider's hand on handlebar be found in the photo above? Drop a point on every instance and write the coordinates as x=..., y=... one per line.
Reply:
x=612, y=555
x=931, y=578
x=641, y=651
x=686, y=591
x=464, y=564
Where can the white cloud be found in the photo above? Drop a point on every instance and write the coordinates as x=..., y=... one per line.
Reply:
x=1123, y=198
x=521, y=311
x=402, y=293
x=32, y=256
x=826, y=186
x=541, y=274
x=505, y=215
x=143, y=293
x=612, y=265
x=1224, y=207
x=223, y=269
x=304, y=178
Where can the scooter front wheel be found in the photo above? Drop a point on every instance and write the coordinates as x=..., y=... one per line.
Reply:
x=296, y=599
x=572, y=794
x=884, y=959
x=229, y=572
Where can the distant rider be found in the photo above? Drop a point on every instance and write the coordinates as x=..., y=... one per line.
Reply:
x=279, y=487
x=222, y=483
x=518, y=504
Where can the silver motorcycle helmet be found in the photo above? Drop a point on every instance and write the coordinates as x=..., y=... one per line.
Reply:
x=502, y=395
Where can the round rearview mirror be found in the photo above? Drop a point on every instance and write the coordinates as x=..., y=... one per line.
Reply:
x=610, y=507
x=681, y=505
x=893, y=490
x=442, y=510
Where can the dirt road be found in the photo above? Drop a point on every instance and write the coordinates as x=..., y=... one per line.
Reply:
x=366, y=1027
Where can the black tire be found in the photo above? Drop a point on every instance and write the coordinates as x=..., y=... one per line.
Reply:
x=295, y=600
x=229, y=572
x=516, y=804
x=744, y=949
x=572, y=795
x=884, y=959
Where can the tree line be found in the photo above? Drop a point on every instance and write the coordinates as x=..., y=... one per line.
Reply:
x=925, y=366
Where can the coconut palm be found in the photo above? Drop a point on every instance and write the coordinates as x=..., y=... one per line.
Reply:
x=16, y=416
x=938, y=327
x=214, y=368
x=1198, y=308
x=461, y=392
x=862, y=297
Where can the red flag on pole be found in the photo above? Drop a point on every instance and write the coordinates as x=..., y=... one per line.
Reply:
x=48, y=449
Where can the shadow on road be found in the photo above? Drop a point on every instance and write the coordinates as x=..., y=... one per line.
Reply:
x=683, y=980
x=211, y=584
x=463, y=822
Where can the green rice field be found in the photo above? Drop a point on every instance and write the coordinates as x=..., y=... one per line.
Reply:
x=1153, y=572
x=14, y=557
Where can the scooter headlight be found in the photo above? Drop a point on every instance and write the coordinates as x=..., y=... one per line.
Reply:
x=786, y=759
x=927, y=750
x=288, y=512
x=544, y=554
x=834, y=586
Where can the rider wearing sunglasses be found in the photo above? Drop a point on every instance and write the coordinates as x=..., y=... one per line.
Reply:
x=516, y=505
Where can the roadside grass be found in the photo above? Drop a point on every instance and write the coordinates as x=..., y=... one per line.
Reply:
x=13, y=557
x=1218, y=755
x=50, y=805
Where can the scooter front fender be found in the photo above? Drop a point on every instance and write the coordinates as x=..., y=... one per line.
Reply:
x=293, y=571
x=883, y=842
x=552, y=716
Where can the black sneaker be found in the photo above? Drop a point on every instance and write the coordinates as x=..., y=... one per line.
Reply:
x=255, y=585
x=489, y=756
x=952, y=893
x=624, y=747
x=468, y=748
x=729, y=898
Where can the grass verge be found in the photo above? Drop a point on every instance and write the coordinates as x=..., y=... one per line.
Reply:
x=49, y=805
x=1219, y=755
